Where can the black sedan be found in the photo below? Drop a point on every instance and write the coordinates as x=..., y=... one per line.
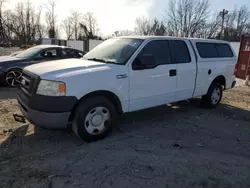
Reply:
x=11, y=66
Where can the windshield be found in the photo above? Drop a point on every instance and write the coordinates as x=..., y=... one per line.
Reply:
x=117, y=51
x=28, y=53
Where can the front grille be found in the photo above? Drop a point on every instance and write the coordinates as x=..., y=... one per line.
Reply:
x=29, y=82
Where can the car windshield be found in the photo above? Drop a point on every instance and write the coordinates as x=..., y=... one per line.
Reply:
x=29, y=52
x=117, y=51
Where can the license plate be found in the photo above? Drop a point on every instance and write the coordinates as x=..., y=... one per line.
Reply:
x=19, y=118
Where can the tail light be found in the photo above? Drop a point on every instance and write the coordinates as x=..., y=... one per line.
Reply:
x=236, y=69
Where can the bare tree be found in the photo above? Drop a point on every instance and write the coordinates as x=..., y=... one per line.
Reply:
x=6, y=20
x=143, y=26
x=71, y=25
x=158, y=28
x=241, y=20
x=75, y=18
x=248, y=28
x=89, y=26
x=41, y=29
x=236, y=22
x=2, y=30
x=123, y=33
x=209, y=29
x=185, y=17
x=68, y=27
x=50, y=18
x=22, y=22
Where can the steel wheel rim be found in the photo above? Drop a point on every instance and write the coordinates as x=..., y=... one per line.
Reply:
x=216, y=95
x=13, y=78
x=97, y=120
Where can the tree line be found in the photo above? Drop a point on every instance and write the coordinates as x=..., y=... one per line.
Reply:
x=24, y=24
x=193, y=18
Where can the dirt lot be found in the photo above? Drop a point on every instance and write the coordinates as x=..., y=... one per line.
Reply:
x=181, y=145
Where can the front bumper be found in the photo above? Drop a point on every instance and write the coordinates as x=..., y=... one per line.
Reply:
x=44, y=111
x=44, y=119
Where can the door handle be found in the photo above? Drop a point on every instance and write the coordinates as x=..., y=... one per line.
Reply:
x=172, y=72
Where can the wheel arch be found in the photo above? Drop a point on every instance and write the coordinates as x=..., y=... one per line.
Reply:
x=113, y=98
x=219, y=79
x=13, y=68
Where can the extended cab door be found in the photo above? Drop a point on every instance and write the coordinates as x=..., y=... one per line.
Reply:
x=152, y=84
x=184, y=58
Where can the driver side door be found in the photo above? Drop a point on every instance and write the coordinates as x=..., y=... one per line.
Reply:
x=153, y=85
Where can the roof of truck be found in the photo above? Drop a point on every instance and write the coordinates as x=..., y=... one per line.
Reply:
x=167, y=37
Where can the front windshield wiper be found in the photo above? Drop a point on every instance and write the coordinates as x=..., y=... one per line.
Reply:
x=101, y=60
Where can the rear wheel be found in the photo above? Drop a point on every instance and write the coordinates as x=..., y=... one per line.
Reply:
x=213, y=97
x=13, y=77
x=93, y=119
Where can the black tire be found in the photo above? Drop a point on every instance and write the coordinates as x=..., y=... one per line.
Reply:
x=81, y=123
x=12, y=78
x=208, y=100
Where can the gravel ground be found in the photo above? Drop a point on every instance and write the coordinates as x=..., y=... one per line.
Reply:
x=178, y=145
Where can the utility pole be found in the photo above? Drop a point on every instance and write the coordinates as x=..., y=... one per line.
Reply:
x=222, y=14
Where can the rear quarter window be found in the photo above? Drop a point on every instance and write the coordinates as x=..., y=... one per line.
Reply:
x=214, y=50
x=180, y=51
x=224, y=50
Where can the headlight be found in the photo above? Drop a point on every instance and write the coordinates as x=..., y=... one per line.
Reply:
x=51, y=88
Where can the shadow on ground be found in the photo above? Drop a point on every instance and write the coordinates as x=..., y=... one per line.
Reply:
x=29, y=137
x=7, y=93
x=180, y=145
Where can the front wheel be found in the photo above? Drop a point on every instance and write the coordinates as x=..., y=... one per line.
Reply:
x=213, y=97
x=93, y=119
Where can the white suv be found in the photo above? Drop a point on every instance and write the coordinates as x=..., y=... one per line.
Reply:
x=123, y=75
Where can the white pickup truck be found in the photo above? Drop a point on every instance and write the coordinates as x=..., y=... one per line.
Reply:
x=124, y=75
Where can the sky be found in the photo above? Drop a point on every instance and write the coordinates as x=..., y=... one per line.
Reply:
x=113, y=15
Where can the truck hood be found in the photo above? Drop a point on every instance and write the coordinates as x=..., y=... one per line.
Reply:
x=55, y=69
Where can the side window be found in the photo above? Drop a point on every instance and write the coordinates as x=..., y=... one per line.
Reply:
x=78, y=54
x=180, y=52
x=64, y=53
x=206, y=50
x=224, y=50
x=214, y=50
x=68, y=53
x=160, y=50
x=50, y=53
x=71, y=53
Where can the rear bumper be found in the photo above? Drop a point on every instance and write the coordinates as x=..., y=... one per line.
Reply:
x=49, y=120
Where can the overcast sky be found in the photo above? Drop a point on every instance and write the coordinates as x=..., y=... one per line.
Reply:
x=115, y=15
